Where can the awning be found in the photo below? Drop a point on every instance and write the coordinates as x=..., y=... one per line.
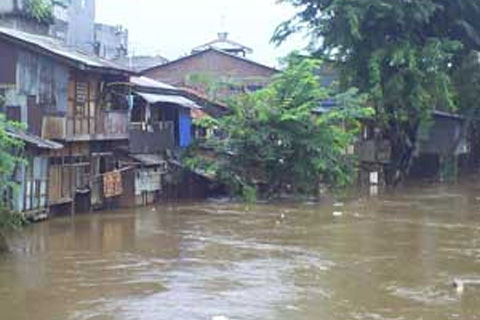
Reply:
x=150, y=83
x=35, y=140
x=148, y=159
x=175, y=99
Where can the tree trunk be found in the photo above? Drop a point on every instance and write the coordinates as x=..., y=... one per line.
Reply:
x=403, y=144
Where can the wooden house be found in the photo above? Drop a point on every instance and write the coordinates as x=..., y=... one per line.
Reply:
x=160, y=126
x=70, y=97
x=31, y=175
x=440, y=144
x=161, y=117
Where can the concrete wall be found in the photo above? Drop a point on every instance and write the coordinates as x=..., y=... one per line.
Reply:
x=7, y=6
x=111, y=41
x=81, y=30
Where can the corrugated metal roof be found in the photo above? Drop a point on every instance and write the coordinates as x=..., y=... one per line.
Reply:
x=150, y=83
x=60, y=49
x=175, y=99
x=148, y=159
x=35, y=140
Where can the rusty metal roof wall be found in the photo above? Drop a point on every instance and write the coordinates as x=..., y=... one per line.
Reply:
x=57, y=48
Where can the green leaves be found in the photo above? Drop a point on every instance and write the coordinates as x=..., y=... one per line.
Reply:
x=275, y=142
x=10, y=150
x=40, y=10
x=402, y=54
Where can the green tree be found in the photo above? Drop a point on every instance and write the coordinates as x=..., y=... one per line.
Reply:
x=10, y=157
x=401, y=53
x=273, y=139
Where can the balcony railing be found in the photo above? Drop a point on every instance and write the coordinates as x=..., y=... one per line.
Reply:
x=151, y=138
x=107, y=125
x=373, y=151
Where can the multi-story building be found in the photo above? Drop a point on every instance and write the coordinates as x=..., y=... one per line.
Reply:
x=69, y=20
x=111, y=42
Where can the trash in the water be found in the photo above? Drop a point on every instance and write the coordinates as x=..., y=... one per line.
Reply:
x=293, y=308
x=220, y=318
x=339, y=204
x=461, y=284
x=337, y=214
x=459, y=287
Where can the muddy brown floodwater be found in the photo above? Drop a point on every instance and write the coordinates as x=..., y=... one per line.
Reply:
x=392, y=257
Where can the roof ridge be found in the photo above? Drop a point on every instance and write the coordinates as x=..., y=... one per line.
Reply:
x=215, y=50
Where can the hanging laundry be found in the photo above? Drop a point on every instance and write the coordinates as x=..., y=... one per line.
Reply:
x=112, y=184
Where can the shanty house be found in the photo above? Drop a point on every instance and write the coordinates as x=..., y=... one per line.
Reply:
x=31, y=175
x=161, y=117
x=72, y=98
x=160, y=125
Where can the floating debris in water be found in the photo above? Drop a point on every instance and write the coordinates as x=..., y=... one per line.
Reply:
x=293, y=308
x=459, y=286
x=338, y=204
x=337, y=214
x=220, y=318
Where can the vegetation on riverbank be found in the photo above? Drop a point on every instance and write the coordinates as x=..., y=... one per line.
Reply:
x=280, y=140
x=409, y=57
x=10, y=157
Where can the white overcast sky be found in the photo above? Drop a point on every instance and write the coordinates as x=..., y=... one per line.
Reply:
x=173, y=27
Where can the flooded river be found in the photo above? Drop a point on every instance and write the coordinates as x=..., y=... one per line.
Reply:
x=392, y=257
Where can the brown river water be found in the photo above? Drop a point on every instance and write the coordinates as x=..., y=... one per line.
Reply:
x=391, y=257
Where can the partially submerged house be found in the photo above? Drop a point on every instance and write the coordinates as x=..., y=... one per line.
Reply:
x=160, y=126
x=221, y=60
x=72, y=98
x=438, y=140
x=32, y=175
x=438, y=143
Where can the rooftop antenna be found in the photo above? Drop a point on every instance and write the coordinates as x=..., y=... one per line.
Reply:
x=222, y=34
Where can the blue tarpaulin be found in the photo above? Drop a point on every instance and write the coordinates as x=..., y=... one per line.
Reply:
x=185, y=129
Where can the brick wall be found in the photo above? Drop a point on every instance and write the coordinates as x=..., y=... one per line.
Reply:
x=213, y=63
